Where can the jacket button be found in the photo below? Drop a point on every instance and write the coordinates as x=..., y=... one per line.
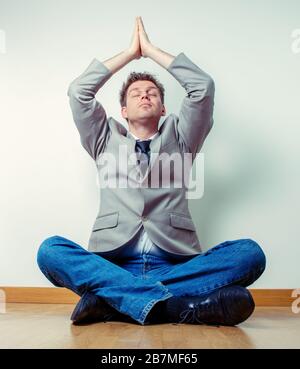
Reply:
x=144, y=218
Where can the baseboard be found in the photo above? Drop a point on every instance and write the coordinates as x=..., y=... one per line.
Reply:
x=40, y=295
x=54, y=295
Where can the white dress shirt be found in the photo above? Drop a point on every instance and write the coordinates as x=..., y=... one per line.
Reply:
x=142, y=244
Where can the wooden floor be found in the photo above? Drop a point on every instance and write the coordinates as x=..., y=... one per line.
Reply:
x=49, y=326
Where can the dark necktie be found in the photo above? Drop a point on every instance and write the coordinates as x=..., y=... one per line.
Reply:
x=143, y=150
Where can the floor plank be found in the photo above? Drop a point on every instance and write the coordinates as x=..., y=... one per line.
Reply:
x=49, y=326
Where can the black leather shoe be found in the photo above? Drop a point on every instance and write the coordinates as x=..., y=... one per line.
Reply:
x=91, y=309
x=225, y=306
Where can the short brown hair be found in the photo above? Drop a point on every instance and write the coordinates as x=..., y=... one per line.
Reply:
x=133, y=77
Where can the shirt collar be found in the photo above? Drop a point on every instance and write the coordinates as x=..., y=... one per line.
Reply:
x=139, y=139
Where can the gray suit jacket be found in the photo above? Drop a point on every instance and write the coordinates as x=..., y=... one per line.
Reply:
x=162, y=210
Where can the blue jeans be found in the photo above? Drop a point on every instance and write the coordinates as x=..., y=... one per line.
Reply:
x=133, y=286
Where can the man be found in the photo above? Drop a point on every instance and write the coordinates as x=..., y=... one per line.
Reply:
x=144, y=262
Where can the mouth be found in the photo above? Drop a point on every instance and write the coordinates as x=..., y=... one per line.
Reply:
x=145, y=104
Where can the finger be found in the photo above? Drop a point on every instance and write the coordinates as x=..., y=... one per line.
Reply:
x=136, y=27
x=141, y=25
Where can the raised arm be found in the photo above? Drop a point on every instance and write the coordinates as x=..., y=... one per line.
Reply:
x=88, y=113
x=196, y=113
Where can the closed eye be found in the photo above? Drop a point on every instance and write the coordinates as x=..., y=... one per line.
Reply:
x=139, y=95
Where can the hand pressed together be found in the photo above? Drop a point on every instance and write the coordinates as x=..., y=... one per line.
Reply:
x=140, y=43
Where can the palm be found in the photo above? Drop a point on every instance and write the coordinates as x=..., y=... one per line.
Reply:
x=135, y=48
x=144, y=40
x=140, y=43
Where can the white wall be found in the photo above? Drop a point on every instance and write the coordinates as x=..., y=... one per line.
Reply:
x=252, y=179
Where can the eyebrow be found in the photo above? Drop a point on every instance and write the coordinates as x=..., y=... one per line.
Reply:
x=137, y=88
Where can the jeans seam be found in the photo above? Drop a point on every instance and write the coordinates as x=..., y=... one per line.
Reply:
x=150, y=304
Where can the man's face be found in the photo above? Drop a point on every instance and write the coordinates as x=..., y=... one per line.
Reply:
x=144, y=104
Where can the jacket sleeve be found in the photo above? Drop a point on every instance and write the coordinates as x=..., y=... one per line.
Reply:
x=88, y=114
x=196, y=114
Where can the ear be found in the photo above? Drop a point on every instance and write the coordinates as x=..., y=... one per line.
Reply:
x=124, y=112
x=163, y=112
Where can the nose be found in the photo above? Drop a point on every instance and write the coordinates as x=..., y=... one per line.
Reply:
x=145, y=95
